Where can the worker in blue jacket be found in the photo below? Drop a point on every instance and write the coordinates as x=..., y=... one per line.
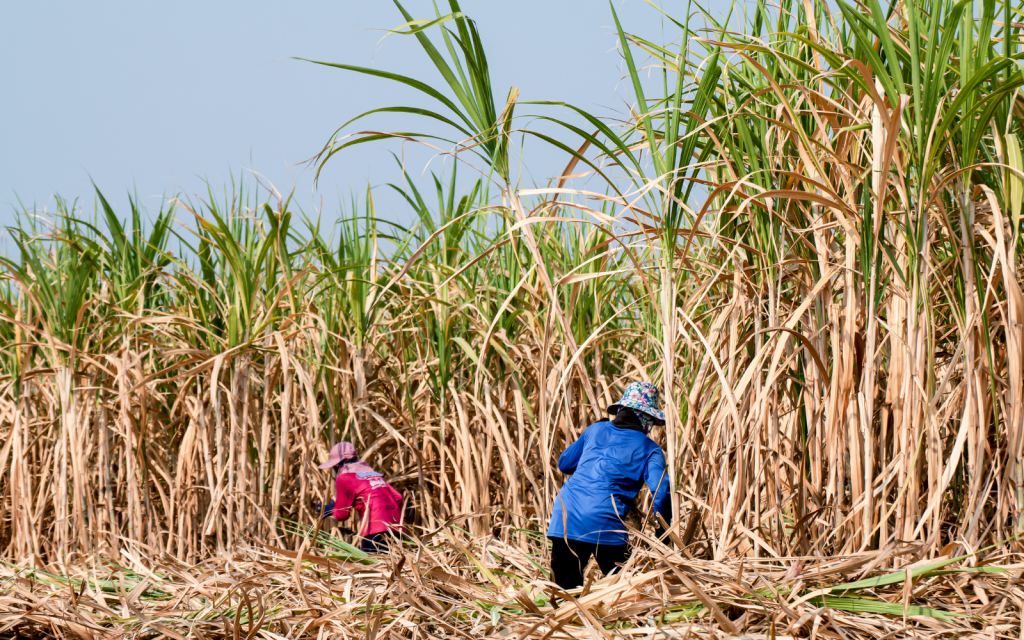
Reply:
x=609, y=464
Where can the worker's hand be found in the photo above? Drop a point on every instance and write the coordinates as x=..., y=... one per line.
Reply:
x=323, y=511
x=660, y=527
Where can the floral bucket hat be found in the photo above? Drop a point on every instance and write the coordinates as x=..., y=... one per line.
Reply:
x=642, y=397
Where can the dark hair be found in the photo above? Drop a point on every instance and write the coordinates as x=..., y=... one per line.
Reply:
x=626, y=417
x=342, y=463
x=626, y=412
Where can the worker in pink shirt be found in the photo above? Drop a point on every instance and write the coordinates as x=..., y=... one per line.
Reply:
x=377, y=504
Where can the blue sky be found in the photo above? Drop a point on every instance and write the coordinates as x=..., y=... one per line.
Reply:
x=156, y=98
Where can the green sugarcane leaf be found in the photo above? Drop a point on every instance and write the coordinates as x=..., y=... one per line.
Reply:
x=1014, y=161
x=865, y=605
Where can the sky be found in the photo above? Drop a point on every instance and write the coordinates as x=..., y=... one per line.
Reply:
x=159, y=99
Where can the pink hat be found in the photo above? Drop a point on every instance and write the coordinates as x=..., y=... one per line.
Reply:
x=339, y=453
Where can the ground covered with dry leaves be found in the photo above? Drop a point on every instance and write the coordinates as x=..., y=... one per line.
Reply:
x=453, y=585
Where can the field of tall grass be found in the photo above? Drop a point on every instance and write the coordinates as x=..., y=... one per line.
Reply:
x=805, y=228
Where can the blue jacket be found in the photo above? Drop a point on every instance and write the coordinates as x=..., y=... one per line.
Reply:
x=609, y=465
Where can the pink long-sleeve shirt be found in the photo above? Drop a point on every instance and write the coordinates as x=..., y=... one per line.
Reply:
x=376, y=502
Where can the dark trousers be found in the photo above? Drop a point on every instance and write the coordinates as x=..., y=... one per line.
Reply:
x=569, y=558
x=377, y=542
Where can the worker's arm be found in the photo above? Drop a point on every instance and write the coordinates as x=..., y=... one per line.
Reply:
x=656, y=477
x=571, y=456
x=345, y=495
x=323, y=510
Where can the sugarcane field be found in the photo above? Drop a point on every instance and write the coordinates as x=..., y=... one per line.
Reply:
x=749, y=364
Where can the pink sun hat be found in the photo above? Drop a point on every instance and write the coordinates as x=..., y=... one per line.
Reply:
x=339, y=453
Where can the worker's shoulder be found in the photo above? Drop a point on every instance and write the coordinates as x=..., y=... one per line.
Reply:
x=372, y=480
x=609, y=432
x=653, y=448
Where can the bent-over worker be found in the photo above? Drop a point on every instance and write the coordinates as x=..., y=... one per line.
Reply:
x=376, y=502
x=609, y=463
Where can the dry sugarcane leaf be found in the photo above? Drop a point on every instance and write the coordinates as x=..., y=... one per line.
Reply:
x=726, y=623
